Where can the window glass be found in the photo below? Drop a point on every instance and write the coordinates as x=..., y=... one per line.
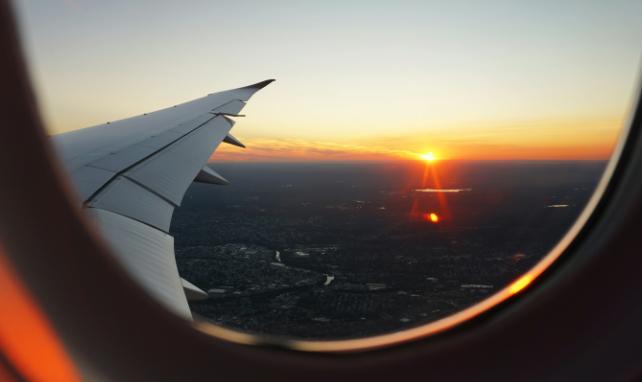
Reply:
x=412, y=159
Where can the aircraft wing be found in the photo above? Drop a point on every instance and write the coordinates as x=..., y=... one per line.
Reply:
x=131, y=174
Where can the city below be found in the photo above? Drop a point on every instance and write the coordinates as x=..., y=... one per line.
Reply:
x=344, y=250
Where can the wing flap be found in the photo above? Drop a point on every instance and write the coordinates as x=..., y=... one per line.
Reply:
x=170, y=172
x=127, y=156
x=88, y=179
x=124, y=158
x=127, y=198
x=148, y=256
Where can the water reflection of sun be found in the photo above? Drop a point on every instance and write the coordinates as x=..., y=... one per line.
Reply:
x=431, y=217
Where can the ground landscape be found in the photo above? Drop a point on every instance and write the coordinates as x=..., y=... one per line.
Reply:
x=340, y=250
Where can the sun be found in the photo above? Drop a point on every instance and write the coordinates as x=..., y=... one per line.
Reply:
x=428, y=157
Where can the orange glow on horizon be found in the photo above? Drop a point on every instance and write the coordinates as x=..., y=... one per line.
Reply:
x=534, y=145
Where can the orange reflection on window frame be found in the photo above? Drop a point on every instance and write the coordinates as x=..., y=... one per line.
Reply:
x=521, y=283
x=26, y=337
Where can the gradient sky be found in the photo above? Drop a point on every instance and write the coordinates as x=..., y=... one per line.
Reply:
x=355, y=79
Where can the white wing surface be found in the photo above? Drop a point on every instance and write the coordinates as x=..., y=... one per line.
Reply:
x=131, y=174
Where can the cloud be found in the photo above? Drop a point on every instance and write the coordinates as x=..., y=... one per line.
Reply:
x=303, y=150
x=535, y=140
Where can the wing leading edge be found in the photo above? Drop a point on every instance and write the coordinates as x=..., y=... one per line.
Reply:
x=131, y=175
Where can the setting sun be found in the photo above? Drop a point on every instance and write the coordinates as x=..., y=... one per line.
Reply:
x=428, y=157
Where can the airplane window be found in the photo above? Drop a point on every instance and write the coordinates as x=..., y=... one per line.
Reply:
x=412, y=161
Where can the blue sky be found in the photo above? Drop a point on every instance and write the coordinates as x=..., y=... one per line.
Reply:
x=349, y=73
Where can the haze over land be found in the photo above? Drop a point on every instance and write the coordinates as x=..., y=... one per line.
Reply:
x=337, y=250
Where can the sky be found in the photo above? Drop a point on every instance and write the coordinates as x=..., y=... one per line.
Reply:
x=356, y=80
